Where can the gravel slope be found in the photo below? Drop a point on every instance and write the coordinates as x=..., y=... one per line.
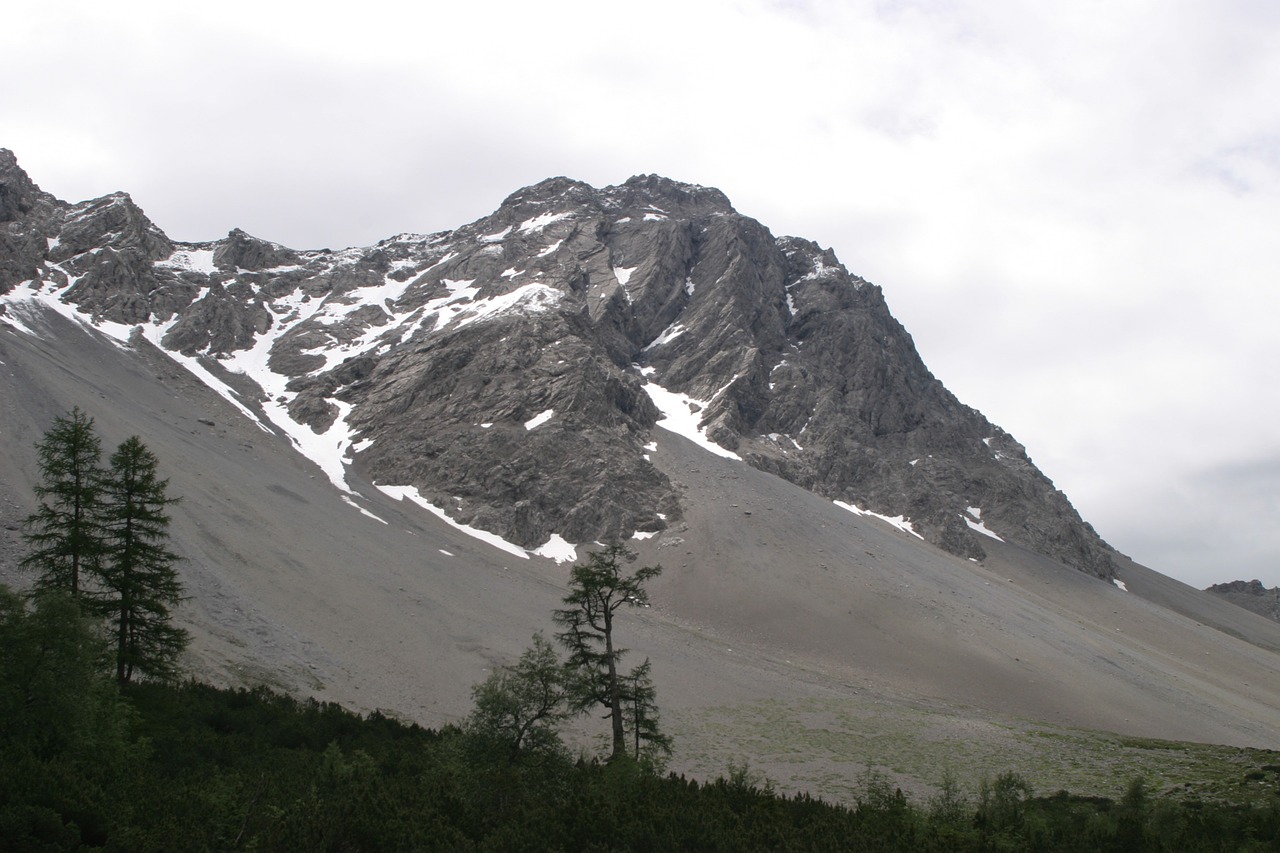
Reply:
x=774, y=604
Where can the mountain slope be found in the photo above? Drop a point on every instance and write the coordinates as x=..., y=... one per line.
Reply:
x=798, y=608
x=513, y=371
x=776, y=602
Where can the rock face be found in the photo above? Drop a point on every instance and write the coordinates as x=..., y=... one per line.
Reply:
x=1251, y=595
x=25, y=214
x=514, y=370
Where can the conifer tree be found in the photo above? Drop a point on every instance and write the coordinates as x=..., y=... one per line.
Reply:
x=641, y=717
x=597, y=589
x=63, y=536
x=138, y=572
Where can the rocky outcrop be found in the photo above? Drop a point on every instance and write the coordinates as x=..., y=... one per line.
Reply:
x=240, y=251
x=1251, y=595
x=27, y=216
x=501, y=368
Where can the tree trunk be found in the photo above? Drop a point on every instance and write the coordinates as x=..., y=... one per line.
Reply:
x=615, y=693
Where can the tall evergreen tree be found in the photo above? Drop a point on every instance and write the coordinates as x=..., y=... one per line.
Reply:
x=137, y=566
x=63, y=535
x=596, y=590
x=642, y=718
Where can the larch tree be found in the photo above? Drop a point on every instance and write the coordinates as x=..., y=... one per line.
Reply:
x=597, y=589
x=641, y=716
x=139, y=579
x=521, y=707
x=63, y=535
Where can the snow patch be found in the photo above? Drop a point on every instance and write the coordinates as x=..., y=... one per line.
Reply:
x=979, y=527
x=644, y=534
x=459, y=288
x=556, y=548
x=539, y=419
x=820, y=269
x=347, y=499
x=898, y=521
x=623, y=274
x=411, y=493
x=10, y=317
x=496, y=237
x=681, y=414
x=1120, y=584
x=195, y=260
x=669, y=334
x=542, y=220
x=777, y=438
x=532, y=298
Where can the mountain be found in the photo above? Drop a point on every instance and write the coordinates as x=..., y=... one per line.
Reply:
x=512, y=371
x=389, y=455
x=1251, y=595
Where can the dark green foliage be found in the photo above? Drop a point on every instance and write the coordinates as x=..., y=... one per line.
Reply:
x=597, y=589
x=641, y=717
x=520, y=708
x=206, y=769
x=62, y=535
x=63, y=726
x=140, y=583
x=52, y=696
x=102, y=536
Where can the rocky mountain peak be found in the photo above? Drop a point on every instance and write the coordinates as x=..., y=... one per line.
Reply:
x=113, y=221
x=27, y=217
x=668, y=196
x=18, y=193
x=1251, y=595
x=549, y=191
x=515, y=371
x=1253, y=587
x=241, y=251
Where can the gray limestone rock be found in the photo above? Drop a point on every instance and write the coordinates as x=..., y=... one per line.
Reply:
x=28, y=218
x=1251, y=595
x=500, y=368
x=240, y=251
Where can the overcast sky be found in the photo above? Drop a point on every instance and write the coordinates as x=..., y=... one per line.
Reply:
x=1074, y=208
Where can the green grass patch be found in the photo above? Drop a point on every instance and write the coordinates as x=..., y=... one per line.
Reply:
x=825, y=746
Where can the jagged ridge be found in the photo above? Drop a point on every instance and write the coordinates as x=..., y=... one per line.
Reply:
x=509, y=369
x=1251, y=595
